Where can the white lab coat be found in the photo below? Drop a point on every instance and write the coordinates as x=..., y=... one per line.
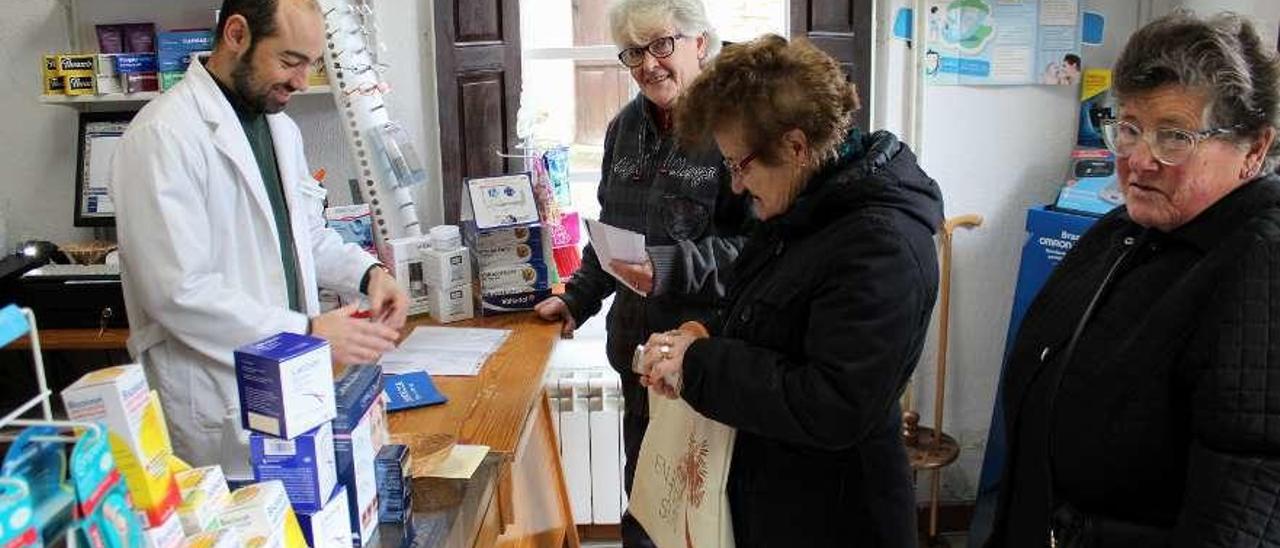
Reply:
x=200, y=256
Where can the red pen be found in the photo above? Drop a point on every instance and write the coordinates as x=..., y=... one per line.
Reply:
x=362, y=314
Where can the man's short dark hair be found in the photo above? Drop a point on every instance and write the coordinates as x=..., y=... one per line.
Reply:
x=260, y=14
x=1072, y=59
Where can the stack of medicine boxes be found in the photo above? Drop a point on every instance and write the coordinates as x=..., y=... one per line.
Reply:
x=360, y=432
x=120, y=398
x=287, y=401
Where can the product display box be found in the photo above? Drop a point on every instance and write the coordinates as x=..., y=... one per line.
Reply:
x=204, y=496
x=119, y=398
x=174, y=48
x=286, y=385
x=304, y=464
x=395, y=484
x=223, y=538
x=1092, y=187
x=359, y=392
x=262, y=516
x=330, y=526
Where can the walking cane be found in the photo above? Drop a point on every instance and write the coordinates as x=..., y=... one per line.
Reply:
x=930, y=448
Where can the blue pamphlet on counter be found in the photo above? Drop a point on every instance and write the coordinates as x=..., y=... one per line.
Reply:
x=411, y=390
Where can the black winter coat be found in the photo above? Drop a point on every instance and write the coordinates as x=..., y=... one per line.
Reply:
x=828, y=310
x=1165, y=427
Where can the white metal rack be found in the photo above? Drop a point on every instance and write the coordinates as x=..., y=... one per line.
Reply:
x=352, y=65
x=42, y=385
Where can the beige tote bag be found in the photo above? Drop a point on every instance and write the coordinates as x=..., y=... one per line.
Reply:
x=679, y=492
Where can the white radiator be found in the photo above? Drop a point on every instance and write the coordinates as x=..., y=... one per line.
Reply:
x=587, y=404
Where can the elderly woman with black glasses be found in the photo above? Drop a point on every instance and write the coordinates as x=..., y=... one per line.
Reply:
x=1143, y=389
x=679, y=200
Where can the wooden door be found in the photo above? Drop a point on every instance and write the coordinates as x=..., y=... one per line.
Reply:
x=478, y=79
x=841, y=28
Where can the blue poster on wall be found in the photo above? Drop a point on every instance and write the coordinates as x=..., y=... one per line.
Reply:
x=987, y=42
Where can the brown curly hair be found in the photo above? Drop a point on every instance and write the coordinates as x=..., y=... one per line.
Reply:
x=770, y=86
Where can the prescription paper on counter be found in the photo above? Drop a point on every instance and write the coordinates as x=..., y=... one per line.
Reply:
x=444, y=351
x=616, y=244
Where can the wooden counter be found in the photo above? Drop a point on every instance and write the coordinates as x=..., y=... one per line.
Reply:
x=506, y=408
x=76, y=339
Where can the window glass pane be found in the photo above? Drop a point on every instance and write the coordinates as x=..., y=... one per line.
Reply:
x=564, y=23
x=742, y=20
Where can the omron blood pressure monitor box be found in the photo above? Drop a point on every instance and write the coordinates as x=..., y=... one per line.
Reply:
x=285, y=384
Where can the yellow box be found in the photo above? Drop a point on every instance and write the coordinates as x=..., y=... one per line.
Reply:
x=263, y=516
x=317, y=76
x=80, y=73
x=225, y=538
x=204, y=497
x=120, y=398
x=54, y=83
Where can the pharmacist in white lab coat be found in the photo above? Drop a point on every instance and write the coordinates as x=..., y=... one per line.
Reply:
x=222, y=237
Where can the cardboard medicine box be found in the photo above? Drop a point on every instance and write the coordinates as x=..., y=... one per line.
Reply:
x=304, y=464
x=285, y=384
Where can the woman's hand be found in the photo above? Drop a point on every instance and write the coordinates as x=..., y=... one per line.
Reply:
x=553, y=309
x=662, y=364
x=637, y=275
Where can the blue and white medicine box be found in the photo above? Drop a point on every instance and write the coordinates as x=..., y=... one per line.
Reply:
x=394, y=483
x=306, y=465
x=359, y=387
x=285, y=383
x=135, y=63
x=174, y=49
x=330, y=526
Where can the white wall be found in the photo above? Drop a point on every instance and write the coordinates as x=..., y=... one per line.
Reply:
x=996, y=151
x=37, y=142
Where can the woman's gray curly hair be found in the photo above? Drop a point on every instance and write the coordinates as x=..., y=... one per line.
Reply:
x=1221, y=57
x=633, y=21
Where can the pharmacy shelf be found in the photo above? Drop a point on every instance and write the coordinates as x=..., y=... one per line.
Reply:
x=132, y=98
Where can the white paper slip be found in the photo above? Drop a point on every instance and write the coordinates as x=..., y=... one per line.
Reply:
x=612, y=243
x=439, y=363
x=456, y=338
x=444, y=351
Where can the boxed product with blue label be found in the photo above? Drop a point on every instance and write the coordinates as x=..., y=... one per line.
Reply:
x=285, y=384
x=306, y=464
x=174, y=48
x=330, y=526
x=358, y=390
x=1091, y=188
x=395, y=484
x=513, y=287
x=504, y=232
x=135, y=63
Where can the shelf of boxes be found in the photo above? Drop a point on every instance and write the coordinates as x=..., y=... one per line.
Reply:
x=140, y=97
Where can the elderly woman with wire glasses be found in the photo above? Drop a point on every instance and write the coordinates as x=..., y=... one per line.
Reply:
x=679, y=200
x=1142, y=393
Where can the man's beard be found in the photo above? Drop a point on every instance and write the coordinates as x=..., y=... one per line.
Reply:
x=258, y=101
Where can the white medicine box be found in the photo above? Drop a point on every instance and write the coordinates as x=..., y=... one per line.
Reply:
x=285, y=384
